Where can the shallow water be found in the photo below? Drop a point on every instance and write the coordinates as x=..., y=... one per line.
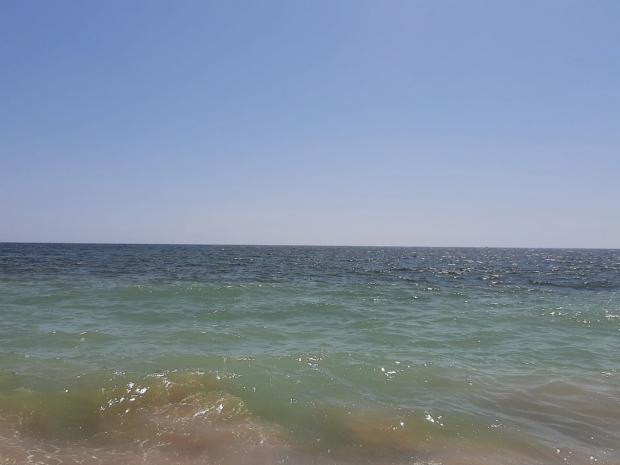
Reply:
x=308, y=355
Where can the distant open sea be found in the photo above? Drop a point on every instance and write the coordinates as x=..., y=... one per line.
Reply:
x=149, y=354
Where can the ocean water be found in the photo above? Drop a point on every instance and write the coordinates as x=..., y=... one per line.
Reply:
x=136, y=354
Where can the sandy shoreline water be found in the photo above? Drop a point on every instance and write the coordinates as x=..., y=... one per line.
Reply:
x=189, y=418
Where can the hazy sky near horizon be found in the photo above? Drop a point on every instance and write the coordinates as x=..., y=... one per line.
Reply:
x=456, y=123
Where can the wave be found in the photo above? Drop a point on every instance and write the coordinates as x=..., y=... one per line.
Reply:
x=190, y=417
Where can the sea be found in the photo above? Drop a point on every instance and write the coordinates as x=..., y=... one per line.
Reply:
x=256, y=355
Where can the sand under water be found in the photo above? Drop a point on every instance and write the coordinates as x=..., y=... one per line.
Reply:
x=189, y=417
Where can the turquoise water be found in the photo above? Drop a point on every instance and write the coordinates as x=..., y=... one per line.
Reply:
x=239, y=354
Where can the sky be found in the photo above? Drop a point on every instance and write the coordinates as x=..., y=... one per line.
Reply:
x=413, y=123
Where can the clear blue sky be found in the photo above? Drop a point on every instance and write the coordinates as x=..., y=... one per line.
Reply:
x=480, y=123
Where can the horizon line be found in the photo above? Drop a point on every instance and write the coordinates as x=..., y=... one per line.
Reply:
x=307, y=245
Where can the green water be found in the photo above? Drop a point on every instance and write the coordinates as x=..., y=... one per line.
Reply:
x=196, y=354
